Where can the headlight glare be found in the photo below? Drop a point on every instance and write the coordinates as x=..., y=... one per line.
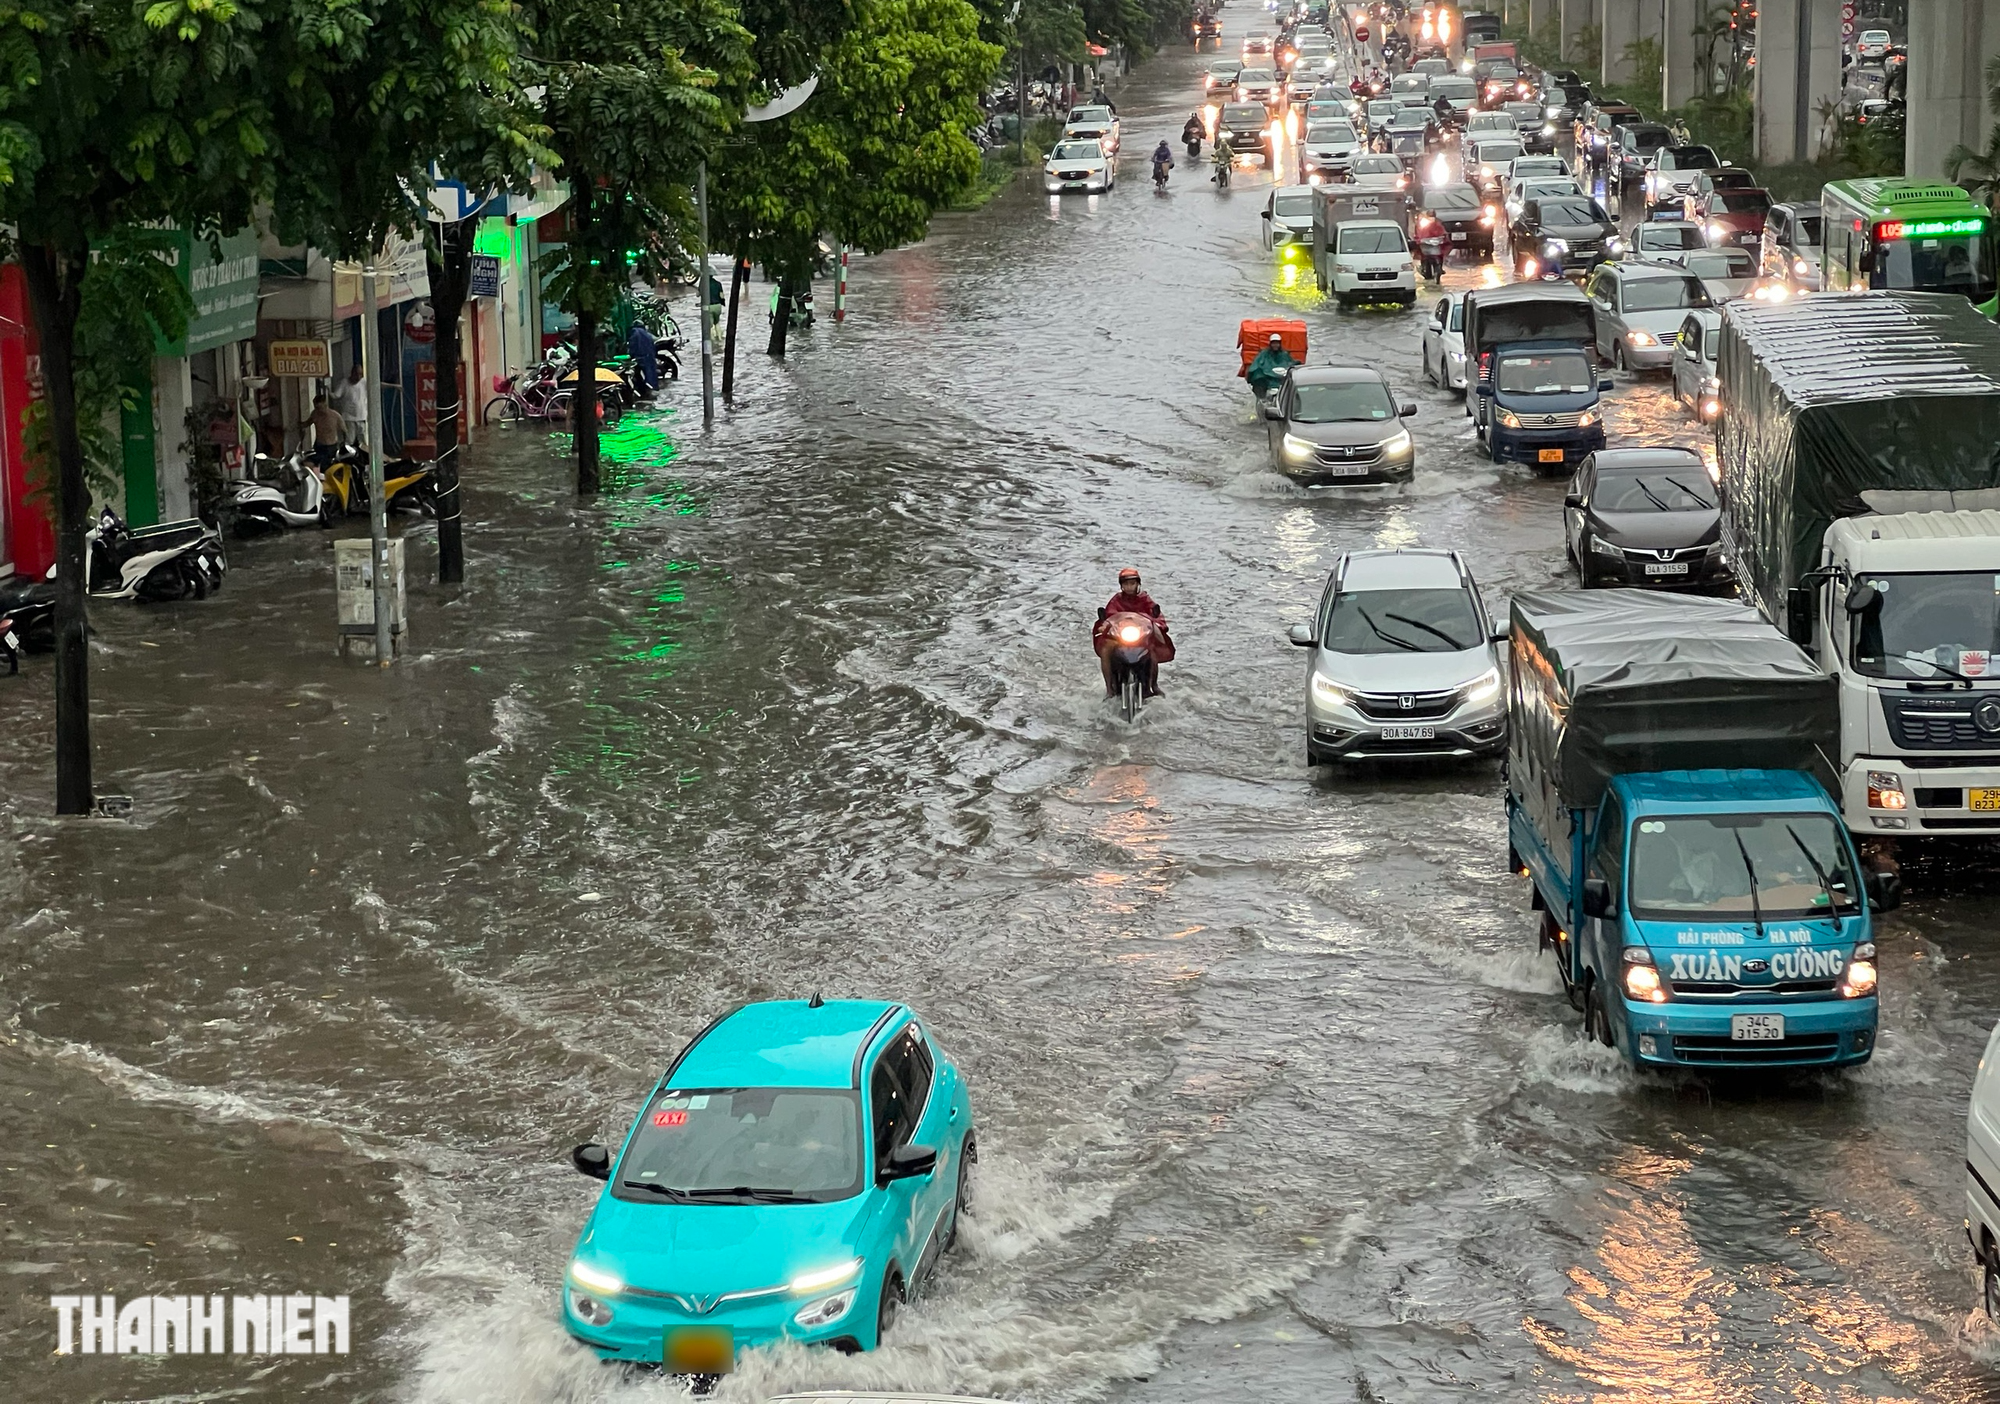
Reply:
x=1640, y=339
x=1860, y=979
x=1483, y=688
x=827, y=1277
x=1643, y=981
x=1398, y=445
x=1297, y=448
x=1508, y=418
x=596, y=1279
x=1325, y=689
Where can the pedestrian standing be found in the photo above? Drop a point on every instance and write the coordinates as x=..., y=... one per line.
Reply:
x=324, y=422
x=350, y=401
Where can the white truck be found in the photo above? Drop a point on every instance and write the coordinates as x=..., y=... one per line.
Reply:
x=1858, y=454
x=1361, y=245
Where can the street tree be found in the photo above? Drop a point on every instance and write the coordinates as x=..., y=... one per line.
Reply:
x=632, y=105
x=880, y=146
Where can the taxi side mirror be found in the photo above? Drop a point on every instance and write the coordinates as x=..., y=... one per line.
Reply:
x=908, y=1163
x=592, y=1160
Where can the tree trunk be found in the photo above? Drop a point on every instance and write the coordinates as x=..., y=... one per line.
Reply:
x=55, y=291
x=450, y=266
x=739, y=273
x=583, y=404
x=781, y=319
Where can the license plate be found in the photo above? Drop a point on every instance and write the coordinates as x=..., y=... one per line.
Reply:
x=1075, y=184
x=1987, y=800
x=1409, y=733
x=1757, y=1028
x=1549, y=456
x=1344, y=470
x=699, y=1350
x=1458, y=238
x=15, y=642
x=1666, y=567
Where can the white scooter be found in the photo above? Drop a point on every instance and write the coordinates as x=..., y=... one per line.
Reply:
x=170, y=561
x=300, y=502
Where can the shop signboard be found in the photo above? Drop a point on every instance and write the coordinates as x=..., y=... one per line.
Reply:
x=221, y=280
x=485, y=276
x=306, y=358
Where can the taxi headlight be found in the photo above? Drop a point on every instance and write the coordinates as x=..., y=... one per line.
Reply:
x=596, y=1279
x=1298, y=449
x=825, y=1310
x=1483, y=688
x=823, y=1278
x=1325, y=689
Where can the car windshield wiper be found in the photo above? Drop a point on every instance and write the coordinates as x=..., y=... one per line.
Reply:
x=1651, y=496
x=1439, y=633
x=1756, y=908
x=1385, y=637
x=762, y=1196
x=1706, y=504
x=666, y=1191
x=1820, y=873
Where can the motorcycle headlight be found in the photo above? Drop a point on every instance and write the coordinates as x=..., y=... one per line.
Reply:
x=1483, y=688
x=1131, y=634
x=1508, y=418
x=1298, y=449
x=1801, y=267
x=1398, y=445
x=1325, y=689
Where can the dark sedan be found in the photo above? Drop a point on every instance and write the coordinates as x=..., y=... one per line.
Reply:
x=1734, y=218
x=1247, y=126
x=1576, y=230
x=1644, y=517
x=1467, y=220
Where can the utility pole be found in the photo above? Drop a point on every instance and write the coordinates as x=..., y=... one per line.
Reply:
x=378, y=509
x=701, y=297
x=1021, y=104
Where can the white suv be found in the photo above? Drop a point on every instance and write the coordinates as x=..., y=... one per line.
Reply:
x=1404, y=662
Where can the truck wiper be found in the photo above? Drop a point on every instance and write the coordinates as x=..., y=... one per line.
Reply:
x=1930, y=662
x=1369, y=619
x=1756, y=907
x=1820, y=873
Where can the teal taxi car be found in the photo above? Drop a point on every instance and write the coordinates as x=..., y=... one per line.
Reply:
x=794, y=1175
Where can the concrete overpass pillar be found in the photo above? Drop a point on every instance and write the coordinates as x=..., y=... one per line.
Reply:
x=1683, y=78
x=1798, y=68
x=1538, y=15
x=1625, y=22
x=1950, y=43
x=1576, y=15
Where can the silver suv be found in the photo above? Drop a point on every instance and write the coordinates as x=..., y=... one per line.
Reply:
x=1404, y=662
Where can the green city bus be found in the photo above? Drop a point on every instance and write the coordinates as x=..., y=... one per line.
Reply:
x=1912, y=235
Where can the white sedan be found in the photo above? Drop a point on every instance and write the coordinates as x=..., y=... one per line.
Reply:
x=1377, y=173
x=1539, y=188
x=1078, y=165
x=1444, y=342
x=1093, y=123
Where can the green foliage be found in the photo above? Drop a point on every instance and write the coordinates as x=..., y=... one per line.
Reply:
x=1979, y=171
x=880, y=145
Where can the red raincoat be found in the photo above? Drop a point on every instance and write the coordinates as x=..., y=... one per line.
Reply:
x=1138, y=602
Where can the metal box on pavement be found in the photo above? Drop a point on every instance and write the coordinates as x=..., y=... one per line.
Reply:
x=354, y=586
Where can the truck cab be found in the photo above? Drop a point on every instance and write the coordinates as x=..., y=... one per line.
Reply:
x=1540, y=405
x=1725, y=923
x=1361, y=245
x=1906, y=616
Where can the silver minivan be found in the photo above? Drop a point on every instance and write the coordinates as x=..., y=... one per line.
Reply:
x=1404, y=662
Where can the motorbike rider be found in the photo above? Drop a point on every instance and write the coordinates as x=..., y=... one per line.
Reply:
x=1130, y=599
x=1163, y=161
x=1443, y=109
x=1195, y=132
x=1224, y=158
x=1268, y=371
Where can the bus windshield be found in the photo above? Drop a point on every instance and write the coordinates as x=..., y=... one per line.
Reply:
x=1960, y=263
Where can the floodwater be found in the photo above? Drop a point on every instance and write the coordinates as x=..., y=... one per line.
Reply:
x=1274, y=1094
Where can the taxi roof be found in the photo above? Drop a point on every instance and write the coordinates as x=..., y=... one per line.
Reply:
x=783, y=1043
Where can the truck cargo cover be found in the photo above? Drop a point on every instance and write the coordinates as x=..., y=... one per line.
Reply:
x=1527, y=312
x=1829, y=397
x=1623, y=681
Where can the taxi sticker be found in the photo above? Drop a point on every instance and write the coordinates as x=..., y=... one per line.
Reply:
x=672, y=1117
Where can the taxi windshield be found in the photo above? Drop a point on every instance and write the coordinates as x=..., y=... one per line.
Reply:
x=1942, y=626
x=1741, y=867
x=745, y=1145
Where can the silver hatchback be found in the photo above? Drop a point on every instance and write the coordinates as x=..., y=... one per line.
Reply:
x=1404, y=663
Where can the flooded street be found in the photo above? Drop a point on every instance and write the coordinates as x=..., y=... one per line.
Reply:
x=1274, y=1092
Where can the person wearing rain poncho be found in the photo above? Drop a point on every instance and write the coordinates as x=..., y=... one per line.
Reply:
x=1269, y=370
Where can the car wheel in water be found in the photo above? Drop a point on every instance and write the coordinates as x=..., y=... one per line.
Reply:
x=961, y=1204
x=1618, y=356
x=891, y=1303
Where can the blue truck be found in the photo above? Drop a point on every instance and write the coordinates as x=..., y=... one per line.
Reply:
x=1532, y=376
x=1701, y=895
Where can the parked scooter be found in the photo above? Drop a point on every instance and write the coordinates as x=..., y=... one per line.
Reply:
x=170, y=561
x=304, y=495
x=407, y=485
x=28, y=613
